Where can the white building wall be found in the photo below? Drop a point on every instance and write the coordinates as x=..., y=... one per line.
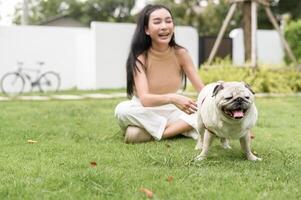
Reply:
x=112, y=43
x=269, y=47
x=85, y=58
x=85, y=62
x=58, y=47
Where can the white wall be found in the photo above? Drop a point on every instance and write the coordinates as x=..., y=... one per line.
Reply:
x=112, y=43
x=85, y=58
x=85, y=62
x=269, y=47
x=60, y=48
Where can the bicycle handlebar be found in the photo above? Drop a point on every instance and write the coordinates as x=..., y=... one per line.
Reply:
x=20, y=68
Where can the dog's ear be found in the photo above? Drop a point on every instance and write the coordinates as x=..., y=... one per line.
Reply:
x=217, y=88
x=249, y=87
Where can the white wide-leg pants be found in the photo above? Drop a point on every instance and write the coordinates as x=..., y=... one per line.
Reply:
x=152, y=119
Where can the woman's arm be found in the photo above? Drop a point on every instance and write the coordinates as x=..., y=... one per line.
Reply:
x=189, y=69
x=148, y=100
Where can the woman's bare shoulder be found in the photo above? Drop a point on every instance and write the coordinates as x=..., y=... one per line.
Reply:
x=142, y=58
x=181, y=54
x=180, y=51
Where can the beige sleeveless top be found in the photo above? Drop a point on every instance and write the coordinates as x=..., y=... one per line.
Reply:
x=163, y=71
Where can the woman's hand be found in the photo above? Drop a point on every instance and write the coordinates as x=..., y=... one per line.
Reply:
x=185, y=104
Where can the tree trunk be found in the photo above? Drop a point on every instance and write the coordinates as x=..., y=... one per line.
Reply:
x=247, y=29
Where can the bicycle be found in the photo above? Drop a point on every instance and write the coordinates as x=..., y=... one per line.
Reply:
x=13, y=83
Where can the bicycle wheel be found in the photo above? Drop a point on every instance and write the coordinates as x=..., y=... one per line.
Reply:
x=12, y=84
x=49, y=81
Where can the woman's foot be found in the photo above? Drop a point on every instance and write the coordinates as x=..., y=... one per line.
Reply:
x=135, y=134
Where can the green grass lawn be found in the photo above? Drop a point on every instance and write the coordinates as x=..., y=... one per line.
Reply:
x=72, y=134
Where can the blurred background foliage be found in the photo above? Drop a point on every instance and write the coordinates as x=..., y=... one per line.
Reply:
x=205, y=15
x=263, y=79
x=293, y=36
x=85, y=11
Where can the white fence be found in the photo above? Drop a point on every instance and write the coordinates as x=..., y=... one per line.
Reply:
x=85, y=58
x=269, y=47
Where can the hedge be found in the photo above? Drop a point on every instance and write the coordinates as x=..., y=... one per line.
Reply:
x=261, y=79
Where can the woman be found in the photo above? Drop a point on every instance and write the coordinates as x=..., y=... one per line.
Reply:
x=156, y=66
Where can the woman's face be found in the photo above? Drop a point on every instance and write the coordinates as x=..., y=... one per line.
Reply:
x=160, y=27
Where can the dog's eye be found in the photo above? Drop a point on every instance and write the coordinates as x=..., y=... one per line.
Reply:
x=247, y=97
x=228, y=98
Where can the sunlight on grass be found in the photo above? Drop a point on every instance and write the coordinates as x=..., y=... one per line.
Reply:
x=70, y=135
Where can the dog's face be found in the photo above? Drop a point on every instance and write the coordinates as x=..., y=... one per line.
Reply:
x=233, y=99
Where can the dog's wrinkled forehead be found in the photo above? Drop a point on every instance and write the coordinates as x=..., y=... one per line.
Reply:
x=232, y=89
x=236, y=89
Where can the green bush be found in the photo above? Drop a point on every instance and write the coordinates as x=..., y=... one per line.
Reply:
x=293, y=36
x=262, y=79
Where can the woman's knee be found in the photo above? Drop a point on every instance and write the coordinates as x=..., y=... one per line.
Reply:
x=123, y=110
x=119, y=110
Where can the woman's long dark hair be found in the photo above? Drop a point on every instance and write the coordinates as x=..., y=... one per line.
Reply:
x=141, y=42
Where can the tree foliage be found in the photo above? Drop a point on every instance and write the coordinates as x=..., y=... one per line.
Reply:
x=279, y=8
x=109, y=10
x=208, y=20
x=293, y=35
x=83, y=10
x=292, y=7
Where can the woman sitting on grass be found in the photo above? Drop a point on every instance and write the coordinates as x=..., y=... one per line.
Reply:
x=156, y=66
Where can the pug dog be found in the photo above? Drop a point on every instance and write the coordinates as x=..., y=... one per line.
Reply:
x=226, y=110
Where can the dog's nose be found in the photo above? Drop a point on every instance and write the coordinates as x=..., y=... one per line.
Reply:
x=239, y=99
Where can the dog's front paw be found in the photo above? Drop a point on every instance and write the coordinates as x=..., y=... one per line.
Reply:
x=200, y=157
x=254, y=158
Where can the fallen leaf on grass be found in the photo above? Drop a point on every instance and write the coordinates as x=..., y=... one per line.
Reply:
x=31, y=141
x=170, y=179
x=93, y=164
x=148, y=192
